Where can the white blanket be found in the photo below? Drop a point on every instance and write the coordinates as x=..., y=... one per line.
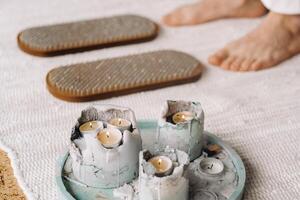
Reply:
x=258, y=113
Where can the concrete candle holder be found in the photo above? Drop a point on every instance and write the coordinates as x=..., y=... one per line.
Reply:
x=204, y=172
x=178, y=161
x=99, y=166
x=174, y=186
x=181, y=127
x=205, y=181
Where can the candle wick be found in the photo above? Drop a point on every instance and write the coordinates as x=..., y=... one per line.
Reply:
x=159, y=161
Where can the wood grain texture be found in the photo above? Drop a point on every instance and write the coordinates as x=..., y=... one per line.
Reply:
x=57, y=39
x=122, y=75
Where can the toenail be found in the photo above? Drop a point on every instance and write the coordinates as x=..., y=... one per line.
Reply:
x=256, y=66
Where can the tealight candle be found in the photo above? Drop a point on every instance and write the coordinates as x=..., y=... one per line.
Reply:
x=211, y=166
x=110, y=138
x=163, y=165
x=182, y=117
x=91, y=127
x=119, y=123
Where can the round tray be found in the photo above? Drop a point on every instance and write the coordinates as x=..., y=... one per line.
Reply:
x=72, y=190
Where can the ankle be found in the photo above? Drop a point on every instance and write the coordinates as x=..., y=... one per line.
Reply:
x=241, y=3
x=291, y=22
x=251, y=8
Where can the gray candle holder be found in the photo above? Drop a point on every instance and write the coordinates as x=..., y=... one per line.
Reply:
x=97, y=166
x=174, y=186
x=186, y=136
x=91, y=171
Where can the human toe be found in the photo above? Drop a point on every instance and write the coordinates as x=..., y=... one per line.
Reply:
x=218, y=57
x=227, y=63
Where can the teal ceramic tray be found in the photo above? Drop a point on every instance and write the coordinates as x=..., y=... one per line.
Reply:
x=71, y=190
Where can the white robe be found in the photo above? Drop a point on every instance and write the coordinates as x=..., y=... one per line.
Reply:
x=289, y=7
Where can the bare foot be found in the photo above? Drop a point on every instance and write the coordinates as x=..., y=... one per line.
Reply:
x=208, y=10
x=275, y=40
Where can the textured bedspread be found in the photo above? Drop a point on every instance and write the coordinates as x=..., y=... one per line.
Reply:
x=257, y=113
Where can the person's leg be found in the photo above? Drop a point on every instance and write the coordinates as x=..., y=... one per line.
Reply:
x=208, y=10
x=275, y=40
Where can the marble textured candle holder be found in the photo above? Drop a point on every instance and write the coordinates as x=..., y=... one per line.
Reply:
x=174, y=186
x=90, y=171
x=97, y=166
x=186, y=136
x=222, y=184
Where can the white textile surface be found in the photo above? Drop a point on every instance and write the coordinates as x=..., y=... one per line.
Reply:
x=258, y=113
x=291, y=7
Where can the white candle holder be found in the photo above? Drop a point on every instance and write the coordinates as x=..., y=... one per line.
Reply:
x=119, y=123
x=98, y=166
x=186, y=135
x=173, y=186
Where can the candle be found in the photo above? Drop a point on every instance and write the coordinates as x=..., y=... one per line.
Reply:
x=211, y=166
x=91, y=127
x=182, y=117
x=110, y=138
x=119, y=123
x=163, y=165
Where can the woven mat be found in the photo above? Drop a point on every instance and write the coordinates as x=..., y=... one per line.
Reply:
x=9, y=188
x=258, y=114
